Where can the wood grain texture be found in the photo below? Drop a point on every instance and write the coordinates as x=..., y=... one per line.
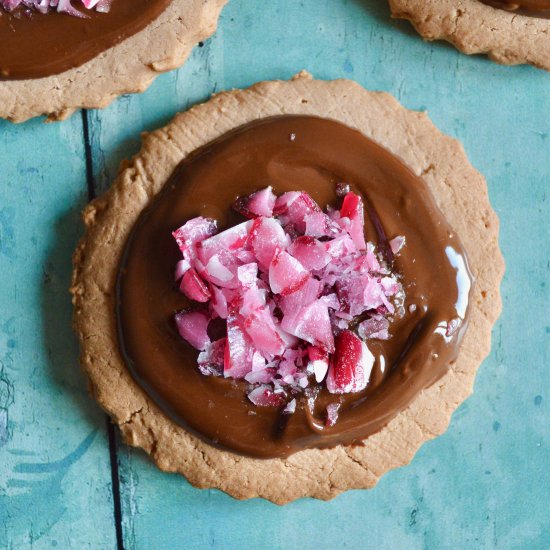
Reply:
x=54, y=456
x=482, y=485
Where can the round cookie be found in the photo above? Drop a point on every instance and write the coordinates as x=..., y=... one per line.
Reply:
x=478, y=28
x=459, y=191
x=127, y=67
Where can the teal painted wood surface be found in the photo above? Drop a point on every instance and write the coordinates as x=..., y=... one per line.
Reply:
x=483, y=485
x=55, y=477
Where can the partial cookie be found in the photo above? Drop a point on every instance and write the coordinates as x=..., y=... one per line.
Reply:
x=459, y=191
x=477, y=28
x=127, y=67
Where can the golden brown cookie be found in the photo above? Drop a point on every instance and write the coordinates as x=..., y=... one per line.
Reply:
x=477, y=28
x=127, y=67
x=461, y=194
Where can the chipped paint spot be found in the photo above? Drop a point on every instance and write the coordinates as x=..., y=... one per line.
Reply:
x=538, y=400
x=7, y=234
x=412, y=517
x=348, y=67
x=496, y=426
x=6, y=399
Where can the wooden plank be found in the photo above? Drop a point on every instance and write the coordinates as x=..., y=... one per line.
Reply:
x=55, y=479
x=484, y=483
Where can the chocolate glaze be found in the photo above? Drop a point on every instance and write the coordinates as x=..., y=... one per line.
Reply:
x=34, y=45
x=534, y=8
x=323, y=153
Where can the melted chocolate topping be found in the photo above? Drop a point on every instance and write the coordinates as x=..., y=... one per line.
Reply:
x=323, y=153
x=35, y=45
x=534, y=8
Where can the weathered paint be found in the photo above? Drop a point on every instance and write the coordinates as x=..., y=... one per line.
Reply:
x=482, y=485
x=45, y=411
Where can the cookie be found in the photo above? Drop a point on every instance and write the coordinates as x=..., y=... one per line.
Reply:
x=460, y=194
x=127, y=67
x=507, y=36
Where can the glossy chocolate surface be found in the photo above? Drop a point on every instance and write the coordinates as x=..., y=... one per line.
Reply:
x=35, y=45
x=533, y=8
x=320, y=154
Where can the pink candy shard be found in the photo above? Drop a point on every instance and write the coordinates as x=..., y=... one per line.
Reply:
x=220, y=299
x=332, y=414
x=193, y=232
x=374, y=328
x=304, y=296
x=340, y=247
x=221, y=269
x=318, y=362
x=266, y=237
x=310, y=252
x=239, y=350
x=260, y=327
x=331, y=301
x=231, y=239
x=373, y=293
x=251, y=300
x=211, y=360
x=258, y=204
x=289, y=340
x=358, y=293
x=264, y=396
x=293, y=207
x=312, y=324
x=192, y=327
x=283, y=202
x=351, y=365
x=352, y=209
x=397, y=243
x=194, y=287
x=89, y=3
x=264, y=376
x=286, y=274
x=287, y=369
x=370, y=261
x=318, y=224
x=181, y=267
x=290, y=407
x=351, y=294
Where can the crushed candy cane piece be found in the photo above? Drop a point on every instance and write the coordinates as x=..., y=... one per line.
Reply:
x=397, y=243
x=312, y=324
x=376, y=328
x=350, y=366
x=61, y=6
x=332, y=414
x=264, y=396
x=194, y=287
x=286, y=274
x=318, y=362
x=266, y=237
x=310, y=252
x=352, y=209
x=211, y=360
x=299, y=292
x=258, y=204
x=192, y=327
x=290, y=407
x=239, y=350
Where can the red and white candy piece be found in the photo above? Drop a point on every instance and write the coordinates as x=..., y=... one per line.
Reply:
x=62, y=6
x=350, y=366
x=287, y=283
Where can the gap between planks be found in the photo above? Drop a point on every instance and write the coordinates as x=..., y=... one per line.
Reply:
x=111, y=431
